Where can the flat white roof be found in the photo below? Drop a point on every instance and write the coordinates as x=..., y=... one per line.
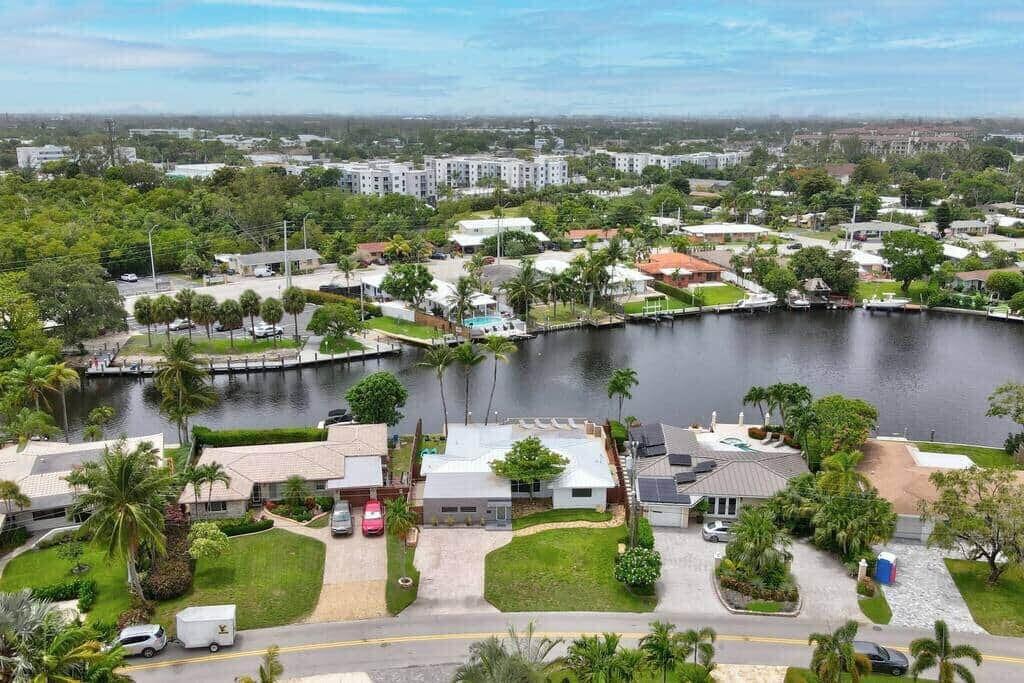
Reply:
x=520, y=222
x=551, y=266
x=724, y=229
x=466, y=240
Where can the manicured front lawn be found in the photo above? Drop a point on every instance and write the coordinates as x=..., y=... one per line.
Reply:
x=343, y=345
x=560, y=570
x=765, y=606
x=399, y=598
x=563, y=515
x=320, y=522
x=720, y=295
x=273, y=577
x=868, y=290
x=666, y=304
x=877, y=608
x=39, y=568
x=998, y=609
x=402, y=327
x=798, y=675
x=208, y=347
x=983, y=456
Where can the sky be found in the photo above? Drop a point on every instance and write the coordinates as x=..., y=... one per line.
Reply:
x=572, y=57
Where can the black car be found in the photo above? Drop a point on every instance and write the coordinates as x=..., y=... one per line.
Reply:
x=883, y=661
x=439, y=256
x=332, y=289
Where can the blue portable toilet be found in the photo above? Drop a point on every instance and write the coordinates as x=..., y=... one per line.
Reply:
x=885, y=568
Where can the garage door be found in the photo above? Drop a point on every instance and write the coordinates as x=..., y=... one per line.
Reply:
x=665, y=515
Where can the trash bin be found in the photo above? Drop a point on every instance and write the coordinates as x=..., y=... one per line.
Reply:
x=885, y=568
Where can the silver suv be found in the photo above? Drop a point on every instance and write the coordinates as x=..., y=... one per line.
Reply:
x=145, y=640
x=341, y=519
x=716, y=530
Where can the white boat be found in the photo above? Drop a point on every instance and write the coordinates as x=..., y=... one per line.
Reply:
x=756, y=302
x=797, y=301
x=888, y=302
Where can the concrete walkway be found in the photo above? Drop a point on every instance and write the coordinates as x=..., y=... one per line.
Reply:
x=618, y=519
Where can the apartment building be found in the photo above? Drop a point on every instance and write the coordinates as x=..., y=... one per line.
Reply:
x=894, y=141
x=636, y=162
x=34, y=157
x=383, y=177
x=516, y=174
x=181, y=133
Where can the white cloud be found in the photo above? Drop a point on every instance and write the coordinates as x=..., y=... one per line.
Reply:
x=68, y=50
x=393, y=39
x=312, y=6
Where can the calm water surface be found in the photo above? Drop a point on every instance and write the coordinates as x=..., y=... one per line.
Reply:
x=930, y=371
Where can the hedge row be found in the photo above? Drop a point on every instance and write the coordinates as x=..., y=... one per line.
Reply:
x=319, y=298
x=84, y=590
x=785, y=594
x=205, y=436
x=243, y=525
x=692, y=299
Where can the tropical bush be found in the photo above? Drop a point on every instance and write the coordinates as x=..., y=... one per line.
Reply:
x=171, y=573
x=759, y=550
x=867, y=588
x=66, y=590
x=1013, y=442
x=320, y=298
x=644, y=534
x=243, y=525
x=205, y=436
x=325, y=503
x=12, y=538
x=639, y=567
x=752, y=589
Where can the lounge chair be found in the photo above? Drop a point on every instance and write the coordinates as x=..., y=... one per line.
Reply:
x=555, y=425
x=522, y=423
x=540, y=425
x=572, y=424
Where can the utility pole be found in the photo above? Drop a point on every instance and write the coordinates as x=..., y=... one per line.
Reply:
x=287, y=263
x=304, y=246
x=110, y=141
x=152, y=261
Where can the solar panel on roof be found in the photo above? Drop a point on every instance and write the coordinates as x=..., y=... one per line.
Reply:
x=679, y=460
x=667, y=491
x=648, y=488
x=704, y=466
x=685, y=478
x=653, y=451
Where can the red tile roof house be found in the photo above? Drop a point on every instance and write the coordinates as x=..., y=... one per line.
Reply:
x=578, y=237
x=371, y=251
x=680, y=270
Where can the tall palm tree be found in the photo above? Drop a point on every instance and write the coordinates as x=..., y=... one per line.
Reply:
x=399, y=520
x=270, y=670
x=939, y=652
x=521, y=290
x=184, y=385
x=758, y=396
x=143, y=312
x=595, y=659
x=25, y=424
x=839, y=475
x=204, y=311
x=521, y=658
x=250, y=302
x=30, y=379
x=461, y=299
x=293, y=300
x=346, y=265
x=184, y=302
x=12, y=496
x=500, y=349
x=664, y=647
x=60, y=379
x=467, y=355
x=701, y=641
x=619, y=385
x=125, y=493
x=164, y=313
x=272, y=311
x=438, y=359
x=192, y=476
x=834, y=655
x=615, y=252
x=231, y=316
x=210, y=474
x=398, y=248
x=555, y=287
x=758, y=547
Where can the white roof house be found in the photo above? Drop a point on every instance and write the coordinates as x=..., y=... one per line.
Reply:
x=622, y=279
x=471, y=233
x=724, y=229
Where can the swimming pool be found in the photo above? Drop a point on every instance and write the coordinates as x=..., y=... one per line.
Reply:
x=736, y=443
x=483, y=321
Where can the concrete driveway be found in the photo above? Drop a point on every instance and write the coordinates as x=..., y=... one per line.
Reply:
x=688, y=562
x=451, y=565
x=355, y=573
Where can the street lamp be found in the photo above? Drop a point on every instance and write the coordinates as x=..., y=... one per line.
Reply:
x=152, y=260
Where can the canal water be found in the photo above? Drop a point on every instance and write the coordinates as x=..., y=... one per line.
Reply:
x=924, y=372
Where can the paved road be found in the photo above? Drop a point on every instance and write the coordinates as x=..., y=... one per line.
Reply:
x=431, y=640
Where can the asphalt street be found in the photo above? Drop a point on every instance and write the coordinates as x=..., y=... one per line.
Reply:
x=404, y=645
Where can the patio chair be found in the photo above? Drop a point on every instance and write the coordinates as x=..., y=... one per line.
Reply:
x=540, y=425
x=572, y=424
x=555, y=425
x=522, y=423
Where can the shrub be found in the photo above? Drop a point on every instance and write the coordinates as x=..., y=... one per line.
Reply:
x=105, y=631
x=644, y=534
x=1009, y=231
x=66, y=590
x=243, y=525
x=251, y=437
x=86, y=596
x=132, y=617
x=638, y=567
x=757, y=433
x=171, y=574
x=751, y=590
x=320, y=298
x=866, y=588
x=790, y=441
x=852, y=565
x=618, y=431
x=12, y=538
x=325, y=503
x=1013, y=442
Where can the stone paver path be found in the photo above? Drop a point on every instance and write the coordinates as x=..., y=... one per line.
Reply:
x=618, y=519
x=355, y=573
x=924, y=591
x=748, y=673
x=451, y=564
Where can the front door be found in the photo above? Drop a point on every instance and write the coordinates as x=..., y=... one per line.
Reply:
x=498, y=512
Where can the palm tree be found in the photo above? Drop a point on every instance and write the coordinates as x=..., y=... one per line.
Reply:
x=555, y=286
x=461, y=299
x=204, y=311
x=143, y=312
x=522, y=289
x=125, y=494
x=192, y=476
x=620, y=383
x=941, y=653
x=595, y=659
x=398, y=248
x=11, y=495
x=23, y=622
x=701, y=641
x=272, y=311
x=399, y=520
x=60, y=379
x=632, y=664
x=164, y=313
x=29, y=379
x=270, y=670
x=438, y=359
x=293, y=300
x=250, y=301
x=76, y=653
x=500, y=349
x=839, y=473
x=834, y=655
x=184, y=385
x=294, y=491
x=25, y=424
x=346, y=265
x=184, y=302
x=520, y=659
x=467, y=355
x=230, y=315
x=615, y=252
x=758, y=396
x=664, y=647
x=210, y=474
x=758, y=547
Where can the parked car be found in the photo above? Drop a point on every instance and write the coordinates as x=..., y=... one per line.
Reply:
x=341, y=519
x=262, y=271
x=332, y=289
x=373, y=518
x=181, y=324
x=883, y=661
x=145, y=640
x=129, y=277
x=794, y=246
x=716, y=530
x=439, y=256
x=264, y=330
x=220, y=327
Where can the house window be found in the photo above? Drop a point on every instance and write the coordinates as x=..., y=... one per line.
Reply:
x=722, y=507
x=320, y=485
x=526, y=486
x=56, y=513
x=468, y=508
x=452, y=508
x=216, y=506
x=582, y=493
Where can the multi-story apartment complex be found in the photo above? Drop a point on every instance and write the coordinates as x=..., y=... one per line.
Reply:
x=385, y=177
x=34, y=157
x=636, y=162
x=516, y=174
x=182, y=133
x=894, y=141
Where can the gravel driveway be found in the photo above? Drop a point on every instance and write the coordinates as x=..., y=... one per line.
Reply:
x=451, y=564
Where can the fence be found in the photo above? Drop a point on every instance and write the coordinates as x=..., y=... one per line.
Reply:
x=743, y=282
x=438, y=323
x=619, y=495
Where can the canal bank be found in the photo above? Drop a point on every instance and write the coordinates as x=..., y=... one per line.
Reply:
x=925, y=372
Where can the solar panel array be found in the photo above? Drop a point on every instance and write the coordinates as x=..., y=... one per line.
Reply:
x=650, y=440
x=660, y=490
x=680, y=460
x=705, y=466
x=685, y=478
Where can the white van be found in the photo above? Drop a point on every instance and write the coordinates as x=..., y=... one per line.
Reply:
x=262, y=271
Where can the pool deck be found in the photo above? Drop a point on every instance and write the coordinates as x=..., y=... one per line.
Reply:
x=738, y=431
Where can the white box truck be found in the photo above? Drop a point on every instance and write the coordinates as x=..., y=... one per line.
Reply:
x=212, y=626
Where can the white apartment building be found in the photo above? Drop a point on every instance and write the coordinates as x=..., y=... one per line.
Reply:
x=636, y=162
x=468, y=171
x=182, y=133
x=381, y=177
x=197, y=171
x=34, y=157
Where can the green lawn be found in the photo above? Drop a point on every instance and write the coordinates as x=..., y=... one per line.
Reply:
x=720, y=295
x=798, y=675
x=563, y=313
x=868, y=290
x=667, y=304
x=399, y=598
x=877, y=608
x=332, y=345
x=560, y=570
x=401, y=457
x=209, y=347
x=509, y=212
x=983, y=456
x=403, y=327
x=562, y=515
x=998, y=609
x=39, y=568
x=273, y=577
x=320, y=522
x=765, y=606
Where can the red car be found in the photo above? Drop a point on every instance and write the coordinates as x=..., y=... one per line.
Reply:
x=373, y=518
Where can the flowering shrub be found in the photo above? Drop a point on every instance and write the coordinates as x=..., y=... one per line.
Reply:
x=640, y=567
